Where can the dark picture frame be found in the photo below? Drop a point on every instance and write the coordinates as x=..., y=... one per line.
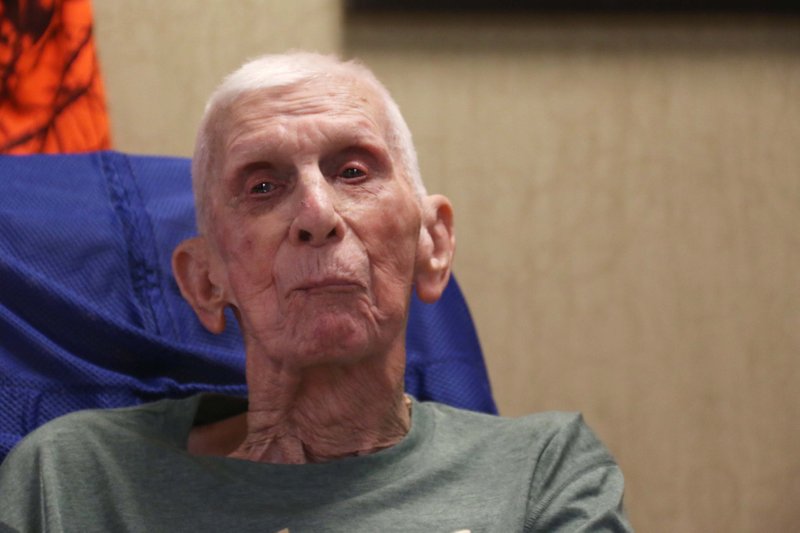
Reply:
x=590, y=6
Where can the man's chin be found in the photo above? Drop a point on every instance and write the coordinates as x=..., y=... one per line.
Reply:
x=329, y=334
x=332, y=336
x=337, y=337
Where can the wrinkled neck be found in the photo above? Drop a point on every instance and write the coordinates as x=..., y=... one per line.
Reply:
x=313, y=415
x=314, y=432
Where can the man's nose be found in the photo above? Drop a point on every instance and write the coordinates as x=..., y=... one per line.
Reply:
x=317, y=222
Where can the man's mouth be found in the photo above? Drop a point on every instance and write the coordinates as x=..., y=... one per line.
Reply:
x=333, y=284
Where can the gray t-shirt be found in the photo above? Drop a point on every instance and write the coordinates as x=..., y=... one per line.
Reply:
x=128, y=470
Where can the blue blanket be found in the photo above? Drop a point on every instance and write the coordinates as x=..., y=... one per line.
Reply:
x=90, y=315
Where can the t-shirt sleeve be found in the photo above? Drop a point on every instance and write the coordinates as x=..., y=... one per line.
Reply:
x=21, y=505
x=42, y=474
x=577, y=485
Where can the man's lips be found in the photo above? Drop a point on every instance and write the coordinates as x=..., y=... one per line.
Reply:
x=334, y=284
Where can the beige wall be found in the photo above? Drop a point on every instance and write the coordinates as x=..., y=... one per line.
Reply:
x=162, y=58
x=628, y=197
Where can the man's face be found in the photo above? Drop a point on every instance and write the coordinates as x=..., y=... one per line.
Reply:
x=313, y=227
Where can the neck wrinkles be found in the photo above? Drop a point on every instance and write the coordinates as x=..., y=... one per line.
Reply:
x=323, y=413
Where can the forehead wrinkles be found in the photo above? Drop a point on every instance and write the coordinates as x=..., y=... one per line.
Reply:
x=343, y=98
x=312, y=97
x=283, y=138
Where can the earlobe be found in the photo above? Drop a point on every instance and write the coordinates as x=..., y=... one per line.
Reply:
x=191, y=267
x=436, y=248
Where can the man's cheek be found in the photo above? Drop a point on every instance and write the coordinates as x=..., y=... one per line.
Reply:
x=394, y=275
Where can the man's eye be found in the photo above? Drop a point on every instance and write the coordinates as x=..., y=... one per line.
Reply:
x=352, y=173
x=263, y=188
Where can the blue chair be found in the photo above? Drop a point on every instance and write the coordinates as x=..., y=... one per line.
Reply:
x=90, y=315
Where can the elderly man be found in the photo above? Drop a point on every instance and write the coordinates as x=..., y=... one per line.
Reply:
x=314, y=228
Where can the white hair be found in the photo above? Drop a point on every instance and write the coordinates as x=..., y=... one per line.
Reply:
x=280, y=71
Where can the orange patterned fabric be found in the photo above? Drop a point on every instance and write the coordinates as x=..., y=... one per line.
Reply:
x=51, y=94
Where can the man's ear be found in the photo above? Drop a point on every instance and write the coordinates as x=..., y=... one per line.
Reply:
x=437, y=244
x=191, y=267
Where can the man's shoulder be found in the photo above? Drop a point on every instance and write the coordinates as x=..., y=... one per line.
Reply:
x=78, y=432
x=554, y=458
x=560, y=439
x=538, y=425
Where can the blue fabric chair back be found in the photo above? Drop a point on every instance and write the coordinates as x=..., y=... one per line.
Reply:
x=90, y=315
